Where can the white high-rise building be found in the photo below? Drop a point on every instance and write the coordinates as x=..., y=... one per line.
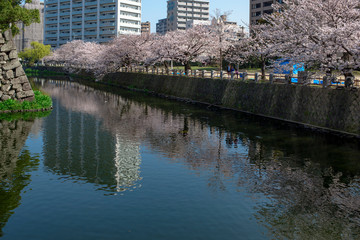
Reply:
x=181, y=11
x=90, y=20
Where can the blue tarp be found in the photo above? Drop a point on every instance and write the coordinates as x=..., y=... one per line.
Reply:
x=295, y=69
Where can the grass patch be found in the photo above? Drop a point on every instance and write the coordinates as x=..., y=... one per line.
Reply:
x=41, y=101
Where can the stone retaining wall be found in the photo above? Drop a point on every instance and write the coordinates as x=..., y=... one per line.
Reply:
x=13, y=82
x=333, y=109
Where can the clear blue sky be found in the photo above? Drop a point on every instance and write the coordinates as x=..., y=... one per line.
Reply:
x=153, y=10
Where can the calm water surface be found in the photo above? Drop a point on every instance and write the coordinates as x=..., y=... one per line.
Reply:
x=110, y=164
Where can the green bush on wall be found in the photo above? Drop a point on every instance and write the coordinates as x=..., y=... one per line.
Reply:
x=41, y=101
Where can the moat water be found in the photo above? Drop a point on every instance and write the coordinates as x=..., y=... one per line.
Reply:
x=113, y=164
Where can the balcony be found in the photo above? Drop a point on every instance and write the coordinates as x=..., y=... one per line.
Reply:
x=64, y=20
x=108, y=24
x=50, y=21
x=50, y=35
x=64, y=6
x=90, y=18
x=107, y=9
x=90, y=25
x=107, y=17
x=91, y=10
x=76, y=27
x=48, y=15
x=64, y=14
x=64, y=34
x=108, y=32
x=88, y=33
x=77, y=5
x=90, y=3
x=64, y=27
x=77, y=12
x=107, y=1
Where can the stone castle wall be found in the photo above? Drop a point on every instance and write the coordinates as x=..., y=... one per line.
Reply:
x=13, y=82
x=334, y=109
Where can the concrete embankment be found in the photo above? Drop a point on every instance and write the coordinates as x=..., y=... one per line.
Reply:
x=332, y=109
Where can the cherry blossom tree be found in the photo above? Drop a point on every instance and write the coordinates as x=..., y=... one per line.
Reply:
x=320, y=33
x=190, y=45
x=223, y=34
x=256, y=47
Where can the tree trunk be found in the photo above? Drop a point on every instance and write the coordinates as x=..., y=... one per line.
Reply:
x=187, y=67
x=263, y=64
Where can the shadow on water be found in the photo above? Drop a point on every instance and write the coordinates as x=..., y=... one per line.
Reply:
x=16, y=163
x=310, y=180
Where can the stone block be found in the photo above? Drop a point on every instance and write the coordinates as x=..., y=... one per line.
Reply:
x=21, y=95
x=9, y=74
x=19, y=89
x=7, y=35
x=11, y=92
x=5, y=97
x=11, y=65
x=1, y=93
x=13, y=54
x=4, y=82
x=5, y=88
x=6, y=57
x=26, y=86
x=16, y=81
x=7, y=47
x=23, y=79
x=17, y=86
x=2, y=41
x=29, y=93
x=19, y=72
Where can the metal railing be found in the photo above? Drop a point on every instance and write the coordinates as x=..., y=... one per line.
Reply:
x=244, y=76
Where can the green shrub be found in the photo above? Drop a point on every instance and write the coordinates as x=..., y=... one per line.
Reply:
x=41, y=101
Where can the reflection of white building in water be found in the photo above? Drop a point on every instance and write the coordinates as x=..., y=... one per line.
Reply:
x=81, y=148
x=127, y=162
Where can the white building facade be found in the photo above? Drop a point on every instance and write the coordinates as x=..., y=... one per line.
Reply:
x=90, y=20
x=32, y=33
x=181, y=11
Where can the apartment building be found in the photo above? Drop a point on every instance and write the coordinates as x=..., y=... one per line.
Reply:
x=259, y=8
x=181, y=11
x=161, y=26
x=32, y=33
x=145, y=27
x=90, y=20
